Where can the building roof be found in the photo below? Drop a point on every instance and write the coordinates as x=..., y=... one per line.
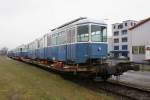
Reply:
x=140, y=23
x=130, y=20
x=124, y=22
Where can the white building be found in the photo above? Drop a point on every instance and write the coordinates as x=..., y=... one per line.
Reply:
x=110, y=40
x=139, y=39
x=120, y=38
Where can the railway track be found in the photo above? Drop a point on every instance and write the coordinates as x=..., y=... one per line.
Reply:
x=125, y=91
x=122, y=91
x=114, y=88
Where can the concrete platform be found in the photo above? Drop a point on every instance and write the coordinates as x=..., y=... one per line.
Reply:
x=137, y=78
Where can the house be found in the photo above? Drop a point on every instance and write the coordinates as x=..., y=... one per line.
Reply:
x=139, y=40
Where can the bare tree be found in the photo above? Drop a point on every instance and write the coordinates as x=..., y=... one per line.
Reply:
x=4, y=51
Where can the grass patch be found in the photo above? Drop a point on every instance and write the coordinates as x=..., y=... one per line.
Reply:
x=145, y=67
x=20, y=81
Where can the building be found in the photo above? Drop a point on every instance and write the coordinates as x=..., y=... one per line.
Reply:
x=139, y=40
x=120, y=38
x=109, y=40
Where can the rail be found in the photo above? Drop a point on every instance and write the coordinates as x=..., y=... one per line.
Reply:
x=126, y=90
x=123, y=91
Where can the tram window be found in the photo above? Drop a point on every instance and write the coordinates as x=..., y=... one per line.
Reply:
x=72, y=35
x=61, y=38
x=104, y=31
x=83, y=33
x=68, y=36
x=96, y=33
x=49, y=41
x=41, y=44
x=54, y=39
x=65, y=37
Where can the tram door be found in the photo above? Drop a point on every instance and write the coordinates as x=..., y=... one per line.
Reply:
x=70, y=46
x=69, y=57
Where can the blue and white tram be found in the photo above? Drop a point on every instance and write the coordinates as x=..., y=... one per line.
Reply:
x=79, y=41
x=71, y=46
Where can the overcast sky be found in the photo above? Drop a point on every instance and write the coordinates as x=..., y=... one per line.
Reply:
x=22, y=21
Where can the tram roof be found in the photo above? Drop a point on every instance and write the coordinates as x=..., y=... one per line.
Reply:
x=79, y=21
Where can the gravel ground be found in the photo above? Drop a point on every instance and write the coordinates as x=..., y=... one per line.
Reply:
x=139, y=78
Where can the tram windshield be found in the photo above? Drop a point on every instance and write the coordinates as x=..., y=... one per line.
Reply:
x=83, y=33
x=98, y=33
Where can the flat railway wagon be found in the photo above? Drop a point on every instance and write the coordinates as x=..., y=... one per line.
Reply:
x=78, y=47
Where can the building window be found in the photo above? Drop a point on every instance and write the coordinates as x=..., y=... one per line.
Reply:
x=114, y=26
x=116, y=47
x=141, y=49
x=131, y=24
x=124, y=32
x=124, y=47
x=135, y=50
x=125, y=39
x=116, y=40
x=125, y=54
x=120, y=26
x=116, y=33
x=134, y=24
x=138, y=49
